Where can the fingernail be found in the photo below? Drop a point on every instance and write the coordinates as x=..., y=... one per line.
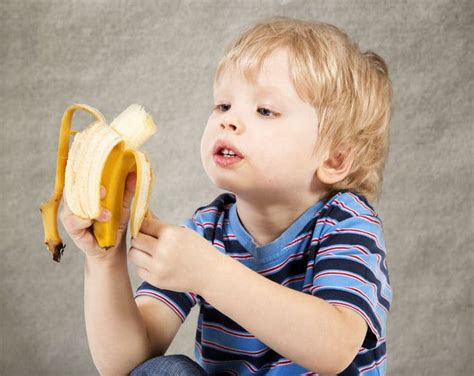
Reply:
x=106, y=214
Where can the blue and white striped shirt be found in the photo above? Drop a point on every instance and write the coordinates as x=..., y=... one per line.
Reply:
x=335, y=250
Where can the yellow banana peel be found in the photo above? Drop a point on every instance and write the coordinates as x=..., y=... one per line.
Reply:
x=101, y=154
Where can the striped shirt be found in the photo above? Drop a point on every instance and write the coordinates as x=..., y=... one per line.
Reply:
x=335, y=250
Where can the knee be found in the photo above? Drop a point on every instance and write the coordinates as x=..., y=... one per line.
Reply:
x=168, y=365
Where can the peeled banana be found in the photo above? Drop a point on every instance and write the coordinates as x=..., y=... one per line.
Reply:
x=101, y=154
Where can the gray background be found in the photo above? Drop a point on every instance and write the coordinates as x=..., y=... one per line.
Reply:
x=162, y=55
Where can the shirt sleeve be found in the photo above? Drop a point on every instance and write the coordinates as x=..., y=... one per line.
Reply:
x=350, y=270
x=180, y=302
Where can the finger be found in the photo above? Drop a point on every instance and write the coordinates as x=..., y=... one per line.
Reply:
x=66, y=209
x=85, y=237
x=105, y=215
x=144, y=243
x=103, y=192
x=152, y=227
x=75, y=225
x=130, y=185
x=139, y=257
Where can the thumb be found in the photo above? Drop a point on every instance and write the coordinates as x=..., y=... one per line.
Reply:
x=152, y=227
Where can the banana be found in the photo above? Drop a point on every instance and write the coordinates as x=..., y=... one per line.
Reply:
x=101, y=154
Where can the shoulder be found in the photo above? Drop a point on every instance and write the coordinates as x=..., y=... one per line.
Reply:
x=215, y=208
x=347, y=219
x=207, y=218
x=348, y=204
x=350, y=209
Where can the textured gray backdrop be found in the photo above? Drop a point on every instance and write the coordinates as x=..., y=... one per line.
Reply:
x=162, y=54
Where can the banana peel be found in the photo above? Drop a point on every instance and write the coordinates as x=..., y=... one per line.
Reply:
x=101, y=154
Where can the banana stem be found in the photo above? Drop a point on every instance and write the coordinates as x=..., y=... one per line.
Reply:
x=49, y=209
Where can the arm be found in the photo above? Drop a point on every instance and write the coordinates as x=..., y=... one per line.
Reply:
x=116, y=332
x=121, y=333
x=303, y=328
x=112, y=320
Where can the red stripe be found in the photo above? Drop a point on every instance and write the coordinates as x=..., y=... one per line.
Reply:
x=326, y=221
x=293, y=279
x=342, y=248
x=282, y=362
x=327, y=250
x=238, y=256
x=234, y=333
x=193, y=296
x=298, y=240
x=344, y=206
x=198, y=224
x=370, y=219
x=208, y=224
x=164, y=300
x=365, y=296
x=362, y=203
x=376, y=364
x=355, y=308
x=350, y=275
x=211, y=209
x=340, y=273
x=235, y=350
x=282, y=264
x=218, y=243
x=357, y=230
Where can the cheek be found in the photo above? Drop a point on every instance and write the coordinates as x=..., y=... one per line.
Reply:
x=287, y=152
x=206, y=146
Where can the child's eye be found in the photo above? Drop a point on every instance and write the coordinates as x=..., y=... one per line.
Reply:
x=266, y=112
x=222, y=107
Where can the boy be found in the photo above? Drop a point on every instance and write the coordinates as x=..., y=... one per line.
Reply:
x=289, y=265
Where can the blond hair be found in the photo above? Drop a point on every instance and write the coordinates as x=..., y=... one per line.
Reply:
x=350, y=90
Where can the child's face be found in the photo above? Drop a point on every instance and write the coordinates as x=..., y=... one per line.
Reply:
x=270, y=126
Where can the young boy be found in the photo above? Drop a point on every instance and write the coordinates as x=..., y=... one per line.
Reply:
x=288, y=266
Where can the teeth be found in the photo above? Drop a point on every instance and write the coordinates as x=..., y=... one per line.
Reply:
x=227, y=152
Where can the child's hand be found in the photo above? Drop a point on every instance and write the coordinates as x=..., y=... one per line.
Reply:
x=80, y=229
x=173, y=257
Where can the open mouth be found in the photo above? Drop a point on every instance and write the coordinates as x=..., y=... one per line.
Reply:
x=226, y=149
x=225, y=154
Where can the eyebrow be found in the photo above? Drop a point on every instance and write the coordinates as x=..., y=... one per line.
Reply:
x=264, y=90
x=273, y=90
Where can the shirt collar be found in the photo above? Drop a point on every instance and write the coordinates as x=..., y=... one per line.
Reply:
x=275, y=248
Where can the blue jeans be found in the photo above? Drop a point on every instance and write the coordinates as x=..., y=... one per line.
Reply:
x=169, y=365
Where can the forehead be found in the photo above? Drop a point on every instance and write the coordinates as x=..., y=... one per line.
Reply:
x=274, y=77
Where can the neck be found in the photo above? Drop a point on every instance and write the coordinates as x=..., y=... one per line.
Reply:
x=266, y=220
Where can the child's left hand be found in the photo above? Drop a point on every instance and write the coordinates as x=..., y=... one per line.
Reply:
x=173, y=257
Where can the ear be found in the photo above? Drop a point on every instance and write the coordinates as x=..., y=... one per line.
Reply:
x=336, y=167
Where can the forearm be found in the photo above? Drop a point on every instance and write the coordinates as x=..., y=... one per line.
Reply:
x=298, y=326
x=116, y=332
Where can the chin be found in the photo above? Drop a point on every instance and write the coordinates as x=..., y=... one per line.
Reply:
x=222, y=182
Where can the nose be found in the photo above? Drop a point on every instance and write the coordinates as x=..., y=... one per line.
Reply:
x=232, y=123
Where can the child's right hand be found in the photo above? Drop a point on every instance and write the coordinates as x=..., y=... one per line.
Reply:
x=80, y=229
